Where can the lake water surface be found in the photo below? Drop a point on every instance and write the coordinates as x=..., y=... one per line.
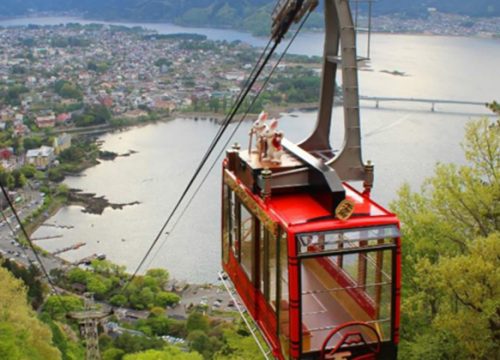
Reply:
x=403, y=140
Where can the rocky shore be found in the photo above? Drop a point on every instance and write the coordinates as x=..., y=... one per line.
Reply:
x=93, y=204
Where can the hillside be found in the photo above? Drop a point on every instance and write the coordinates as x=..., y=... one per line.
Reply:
x=246, y=14
x=22, y=335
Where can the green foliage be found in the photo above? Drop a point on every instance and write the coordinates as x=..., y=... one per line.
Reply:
x=70, y=350
x=77, y=275
x=113, y=354
x=56, y=306
x=18, y=70
x=197, y=321
x=451, y=255
x=99, y=286
x=494, y=106
x=132, y=344
x=145, y=292
x=22, y=335
x=204, y=344
x=72, y=154
x=300, y=85
x=168, y=353
x=30, y=278
x=118, y=300
x=81, y=153
x=160, y=275
x=238, y=347
x=55, y=174
x=164, y=299
x=6, y=178
x=162, y=61
x=12, y=94
x=68, y=90
x=93, y=115
x=100, y=67
x=159, y=325
x=71, y=41
x=32, y=142
x=28, y=171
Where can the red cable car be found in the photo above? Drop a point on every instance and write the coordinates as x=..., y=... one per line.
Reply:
x=316, y=263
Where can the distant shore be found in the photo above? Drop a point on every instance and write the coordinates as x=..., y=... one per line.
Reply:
x=74, y=17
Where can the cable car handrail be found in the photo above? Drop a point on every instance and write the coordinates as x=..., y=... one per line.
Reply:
x=323, y=328
x=242, y=311
x=371, y=261
x=311, y=292
x=346, y=231
x=346, y=251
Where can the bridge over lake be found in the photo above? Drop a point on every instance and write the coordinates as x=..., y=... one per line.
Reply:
x=432, y=102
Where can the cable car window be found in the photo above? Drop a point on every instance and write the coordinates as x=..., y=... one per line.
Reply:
x=234, y=238
x=333, y=240
x=247, y=241
x=264, y=260
x=284, y=305
x=332, y=296
x=339, y=287
x=227, y=226
x=273, y=270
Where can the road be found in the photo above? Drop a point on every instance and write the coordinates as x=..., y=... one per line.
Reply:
x=9, y=247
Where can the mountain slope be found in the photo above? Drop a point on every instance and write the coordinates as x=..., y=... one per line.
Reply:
x=224, y=12
x=22, y=335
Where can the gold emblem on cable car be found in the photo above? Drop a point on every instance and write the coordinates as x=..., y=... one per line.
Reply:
x=345, y=210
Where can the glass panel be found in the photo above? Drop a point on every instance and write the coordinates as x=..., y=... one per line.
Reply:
x=234, y=226
x=332, y=295
x=226, y=218
x=264, y=261
x=284, y=314
x=247, y=241
x=330, y=241
x=273, y=270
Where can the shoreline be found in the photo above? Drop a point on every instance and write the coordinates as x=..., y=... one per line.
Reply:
x=125, y=22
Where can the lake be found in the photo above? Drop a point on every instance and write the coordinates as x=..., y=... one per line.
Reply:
x=405, y=141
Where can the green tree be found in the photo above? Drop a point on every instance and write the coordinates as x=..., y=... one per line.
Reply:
x=30, y=278
x=238, y=347
x=56, y=306
x=77, y=275
x=164, y=299
x=32, y=142
x=161, y=275
x=22, y=335
x=169, y=353
x=132, y=344
x=118, y=300
x=28, y=171
x=451, y=255
x=197, y=321
x=6, y=178
x=159, y=325
x=68, y=90
x=99, y=286
x=113, y=354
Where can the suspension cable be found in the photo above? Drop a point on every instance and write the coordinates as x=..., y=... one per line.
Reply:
x=277, y=40
x=252, y=73
x=33, y=248
x=202, y=163
x=216, y=160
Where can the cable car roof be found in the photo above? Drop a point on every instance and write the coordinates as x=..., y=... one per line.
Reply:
x=305, y=213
